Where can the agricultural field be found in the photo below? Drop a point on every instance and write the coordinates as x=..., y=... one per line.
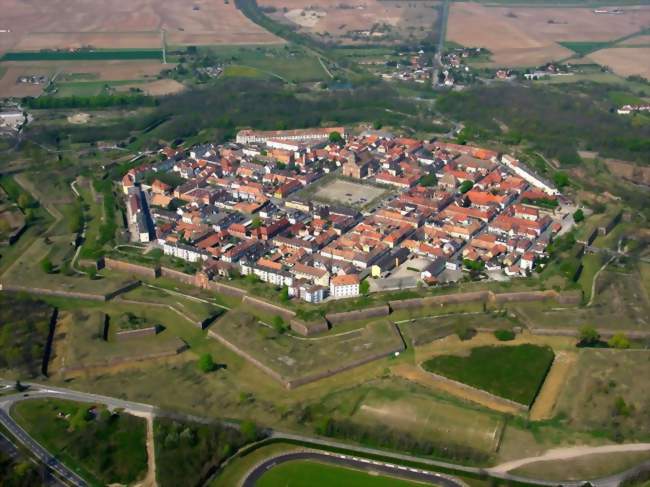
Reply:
x=603, y=393
x=515, y=372
x=305, y=473
x=358, y=22
x=122, y=24
x=294, y=357
x=532, y=35
x=348, y=193
x=104, y=447
x=624, y=61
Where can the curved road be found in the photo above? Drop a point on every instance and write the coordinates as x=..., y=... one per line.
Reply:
x=358, y=463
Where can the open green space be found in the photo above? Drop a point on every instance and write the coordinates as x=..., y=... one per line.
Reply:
x=306, y=473
x=293, y=357
x=604, y=394
x=454, y=319
x=584, y=48
x=24, y=330
x=87, y=346
x=186, y=453
x=515, y=373
x=102, y=446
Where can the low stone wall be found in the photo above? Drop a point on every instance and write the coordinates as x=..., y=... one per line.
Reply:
x=604, y=333
x=52, y=292
x=141, y=332
x=361, y=314
x=481, y=392
x=224, y=289
x=520, y=297
x=268, y=307
x=308, y=328
x=481, y=296
x=178, y=276
x=137, y=269
x=569, y=298
x=182, y=346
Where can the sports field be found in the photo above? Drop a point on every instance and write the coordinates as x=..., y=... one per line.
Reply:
x=515, y=372
x=306, y=473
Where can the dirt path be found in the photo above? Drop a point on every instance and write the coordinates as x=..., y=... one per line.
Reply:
x=150, y=479
x=415, y=374
x=593, y=284
x=568, y=453
x=544, y=405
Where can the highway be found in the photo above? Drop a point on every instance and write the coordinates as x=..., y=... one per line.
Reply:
x=358, y=463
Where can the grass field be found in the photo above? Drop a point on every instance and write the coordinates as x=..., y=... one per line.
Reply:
x=424, y=416
x=304, y=473
x=515, y=373
x=294, y=357
x=584, y=48
x=80, y=340
x=102, y=447
x=595, y=384
x=583, y=468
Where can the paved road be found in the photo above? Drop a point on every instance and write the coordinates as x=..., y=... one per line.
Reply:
x=359, y=463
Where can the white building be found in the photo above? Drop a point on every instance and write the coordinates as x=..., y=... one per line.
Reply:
x=346, y=286
x=521, y=171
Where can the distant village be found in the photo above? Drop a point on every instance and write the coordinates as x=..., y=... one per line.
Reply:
x=255, y=207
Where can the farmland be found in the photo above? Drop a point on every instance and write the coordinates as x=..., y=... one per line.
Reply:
x=73, y=24
x=515, y=373
x=624, y=61
x=357, y=22
x=536, y=35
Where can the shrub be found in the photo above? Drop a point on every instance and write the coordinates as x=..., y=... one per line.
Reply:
x=206, y=364
x=504, y=335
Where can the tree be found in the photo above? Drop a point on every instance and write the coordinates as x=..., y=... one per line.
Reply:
x=25, y=201
x=466, y=186
x=428, y=180
x=620, y=341
x=248, y=430
x=578, y=215
x=364, y=287
x=206, y=364
x=47, y=266
x=589, y=335
x=335, y=137
x=256, y=223
x=278, y=324
x=284, y=295
x=561, y=179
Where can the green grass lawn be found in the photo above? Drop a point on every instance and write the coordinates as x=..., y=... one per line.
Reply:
x=515, y=373
x=103, y=448
x=305, y=473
